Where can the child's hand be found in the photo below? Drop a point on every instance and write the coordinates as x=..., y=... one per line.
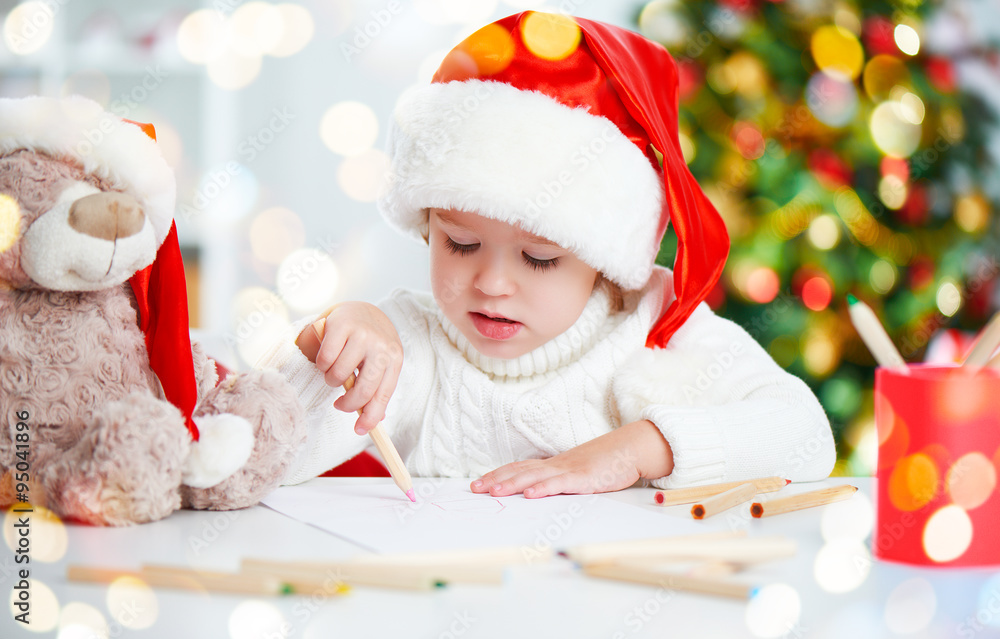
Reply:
x=357, y=335
x=610, y=462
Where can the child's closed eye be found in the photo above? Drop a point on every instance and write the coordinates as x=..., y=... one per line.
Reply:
x=461, y=249
x=539, y=264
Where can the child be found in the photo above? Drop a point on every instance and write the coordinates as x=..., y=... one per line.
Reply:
x=553, y=357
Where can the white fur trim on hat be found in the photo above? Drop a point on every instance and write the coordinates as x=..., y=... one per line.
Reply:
x=224, y=445
x=101, y=142
x=524, y=158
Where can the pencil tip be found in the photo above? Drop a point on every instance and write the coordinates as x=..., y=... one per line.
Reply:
x=411, y=495
x=788, y=481
x=439, y=584
x=851, y=299
x=753, y=592
x=658, y=498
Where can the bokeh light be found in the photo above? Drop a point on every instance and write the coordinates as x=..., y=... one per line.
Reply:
x=297, y=32
x=837, y=51
x=819, y=353
x=49, y=539
x=44, y=613
x=882, y=276
x=817, y=293
x=255, y=28
x=226, y=194
x=274, y=233
x=913, y=482
x=486, y=52
x=892, y=191
x=907, y=39
x=972, y=213
x=824, y=232
x=361, y=176
x=255, y=618
x=773, y=610
x=762, y=285
x=832, y=100
x=28, y=27
x=882, y=74
x=659, y=20
x=202, y=36
x=550, y=36
x=307, y=280
x=911, y=108
x=10, y=221
x=82, y=621
x=910, y=606
x=748, y=140
x=842, y=565
x=971, y=480
x=349, y=128
x=947, y=534
x=132, y=603
x=892, y=133
x=232, y=70
x=948, y=298
x=259, y=317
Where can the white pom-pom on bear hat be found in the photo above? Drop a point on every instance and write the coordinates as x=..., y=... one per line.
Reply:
x=104, y=144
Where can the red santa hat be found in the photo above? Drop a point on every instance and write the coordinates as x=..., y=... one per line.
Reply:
x=125, y=154
x=550, y=122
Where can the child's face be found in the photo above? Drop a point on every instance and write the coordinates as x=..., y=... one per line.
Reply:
x=507, y=290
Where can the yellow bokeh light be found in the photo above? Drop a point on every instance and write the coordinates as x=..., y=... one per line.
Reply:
x=972, y=213
x=824, y=232
x=882, y=276
x=274, y=233
x=892, y=191
x=947, y=534
x=911, y=108
x=361, y=176
x=49, y=538
x=486, y=52
x=28, y=27
x=550, y=36
x=255, y=28
x=750, y=74
x=948, y=298
x=82, y=620
x=891, y=133
x=132, y=603
x=232, y=70
x=297, y=32
x=688, y=148
x=43, y=607
x=349, y=128
x=819, y=353
x=10, y=222
x=971, y=480
x=907, y=39
x=913, y=482
x=837, y=51
x=202, y=36
x=882, y=74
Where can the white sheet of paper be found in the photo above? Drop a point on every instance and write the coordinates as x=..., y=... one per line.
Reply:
x=448, y=516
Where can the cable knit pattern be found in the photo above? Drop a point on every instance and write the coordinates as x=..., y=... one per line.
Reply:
x=727, y=410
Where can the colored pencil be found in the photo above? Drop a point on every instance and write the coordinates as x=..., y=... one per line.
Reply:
x=874, y=336
x=671, y=581
x=189, y=579
x=691, y=495
x=712, y=547
x=386, y=575
x=724, y=501
x=988, y=341
x=805, y=500
x=382, y=442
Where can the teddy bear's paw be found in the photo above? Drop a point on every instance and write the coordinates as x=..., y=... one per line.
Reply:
x=126, y=469
x=223, y=447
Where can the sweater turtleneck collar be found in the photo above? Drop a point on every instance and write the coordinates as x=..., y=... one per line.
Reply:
x=564, y=349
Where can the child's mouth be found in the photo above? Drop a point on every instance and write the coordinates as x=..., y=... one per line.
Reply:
x=498, y=328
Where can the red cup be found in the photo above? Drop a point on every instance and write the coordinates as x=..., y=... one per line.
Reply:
x=938, y=502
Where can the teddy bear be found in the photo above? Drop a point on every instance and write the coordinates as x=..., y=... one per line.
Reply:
x=111, y=416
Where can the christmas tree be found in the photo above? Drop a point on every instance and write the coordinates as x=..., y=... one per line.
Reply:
x=844, y=159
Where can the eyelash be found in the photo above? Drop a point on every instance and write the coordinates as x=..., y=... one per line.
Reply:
x=533, y=262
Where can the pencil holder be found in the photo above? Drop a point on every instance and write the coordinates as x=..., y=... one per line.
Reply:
x=938, y=462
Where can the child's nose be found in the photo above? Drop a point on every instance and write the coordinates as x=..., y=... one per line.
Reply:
x=494, y=278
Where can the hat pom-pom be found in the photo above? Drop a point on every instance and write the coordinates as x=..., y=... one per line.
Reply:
x=224, y=445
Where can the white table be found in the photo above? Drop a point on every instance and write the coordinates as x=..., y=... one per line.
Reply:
x=554, y=600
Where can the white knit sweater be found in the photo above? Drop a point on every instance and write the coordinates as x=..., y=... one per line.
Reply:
x=724, y=406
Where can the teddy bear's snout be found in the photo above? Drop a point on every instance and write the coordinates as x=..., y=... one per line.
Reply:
x=107, y=216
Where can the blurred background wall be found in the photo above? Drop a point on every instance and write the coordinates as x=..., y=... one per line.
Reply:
x=850, y=146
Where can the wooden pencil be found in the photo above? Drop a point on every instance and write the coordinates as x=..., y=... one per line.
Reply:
x=874, y=336
x=671, y=581
x=691, y=495
x=994, y=363
x=985, y=345
x=390, y=455
x=811, y=499
x=189, y=579
x=740, y=550
x=402, y=576
x=724, y=501
x=499, y=555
